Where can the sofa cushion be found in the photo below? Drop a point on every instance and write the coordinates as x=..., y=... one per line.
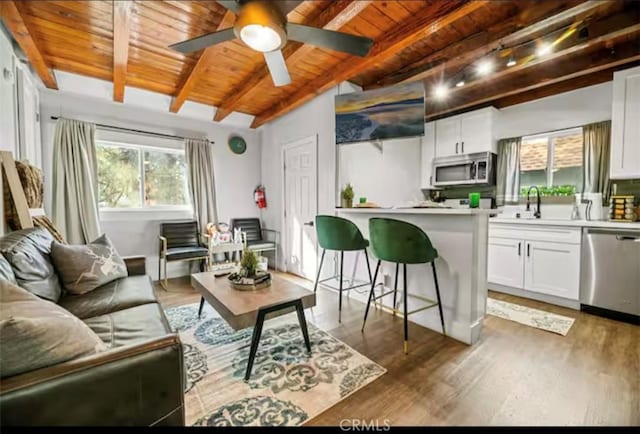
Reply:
x=35, y=333
x=130, y=326
x=114, y=296
x=6, y=273
x=28, y=251
x=83, y=268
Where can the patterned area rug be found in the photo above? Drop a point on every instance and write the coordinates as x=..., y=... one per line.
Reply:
x=287, y=385
x=532, y=317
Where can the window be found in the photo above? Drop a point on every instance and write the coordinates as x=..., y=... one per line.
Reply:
x=131, y=176
x=552, y=162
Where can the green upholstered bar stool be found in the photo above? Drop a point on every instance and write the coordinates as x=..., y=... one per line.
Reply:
x=400, y=242
x=341, y=235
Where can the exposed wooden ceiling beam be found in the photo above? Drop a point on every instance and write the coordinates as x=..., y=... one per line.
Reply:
x=626, y=50
x=334, y=17
x=601, y=37
x=18, y=28
x=121, y=28
x=418, y=28
x=206, y=58
x=531, y=22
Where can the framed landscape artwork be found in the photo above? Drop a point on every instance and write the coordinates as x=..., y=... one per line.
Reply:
x=387, y=113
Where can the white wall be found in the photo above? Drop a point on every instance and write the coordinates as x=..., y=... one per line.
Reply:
x=313, y=118
x=388, y=176
x=136, y=233
x=565, y=110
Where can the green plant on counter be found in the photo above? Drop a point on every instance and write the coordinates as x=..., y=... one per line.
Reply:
x=249, y=262
x=554, y=190
x=347, y=192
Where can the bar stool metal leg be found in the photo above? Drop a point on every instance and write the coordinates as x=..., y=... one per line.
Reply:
x=340, y=294
x=315, y=287
x=435, y=280
x=395, y=289
x=373, y=286
x=406, y=319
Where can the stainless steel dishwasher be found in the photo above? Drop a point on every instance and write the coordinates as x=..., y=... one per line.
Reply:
x=610, y=272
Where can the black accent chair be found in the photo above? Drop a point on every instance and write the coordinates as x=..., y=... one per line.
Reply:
x=253, y=235
x=180, y=241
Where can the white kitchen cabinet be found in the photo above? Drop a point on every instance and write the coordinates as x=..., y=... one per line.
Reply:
x=466, y=133
x=540, y=259
x=552, y=268
x=625, y=127
x=506, y=262
x=447, y=136
x=427, y=154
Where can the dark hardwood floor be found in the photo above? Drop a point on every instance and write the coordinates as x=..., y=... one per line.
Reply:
x=516, y=375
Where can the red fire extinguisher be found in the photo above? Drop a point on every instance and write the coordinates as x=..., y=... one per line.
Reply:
x=259, y=197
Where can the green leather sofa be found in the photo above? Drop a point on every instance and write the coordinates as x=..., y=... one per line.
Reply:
x=137, y=381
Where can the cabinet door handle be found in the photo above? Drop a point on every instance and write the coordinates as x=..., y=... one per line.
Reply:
x=462, y=148
x=519, y=248
x=456, y=147
x=528, y=249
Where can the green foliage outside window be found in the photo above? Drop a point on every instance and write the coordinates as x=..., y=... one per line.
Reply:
x=554, y=190
x=120, y=175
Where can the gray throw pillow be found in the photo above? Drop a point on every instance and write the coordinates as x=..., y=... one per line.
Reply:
x=83, y=268
x=35, y=333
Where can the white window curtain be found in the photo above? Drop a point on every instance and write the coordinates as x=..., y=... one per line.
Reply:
x=75, y=186
x=596, y=143
x=201, y=179
x=508, y=171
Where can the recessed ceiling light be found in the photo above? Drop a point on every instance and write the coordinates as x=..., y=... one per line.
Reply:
x=460, y=83
x=484, y=67
x=440, y=91
x=544, y=49
x=511, y=62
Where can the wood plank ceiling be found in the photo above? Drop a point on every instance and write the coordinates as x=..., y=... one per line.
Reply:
x=437, y=42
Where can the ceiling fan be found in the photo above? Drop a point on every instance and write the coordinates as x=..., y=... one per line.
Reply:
x=262, y=25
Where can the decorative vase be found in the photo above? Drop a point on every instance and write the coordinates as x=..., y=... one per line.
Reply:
x=347, y=203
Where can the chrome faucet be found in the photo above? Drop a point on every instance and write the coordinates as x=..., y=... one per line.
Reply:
x=536, y=214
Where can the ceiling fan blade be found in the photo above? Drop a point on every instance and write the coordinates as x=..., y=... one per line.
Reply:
x=352, y=44
x=287, y=6
x=277, y=68
x=232, y=5
x=204, y=41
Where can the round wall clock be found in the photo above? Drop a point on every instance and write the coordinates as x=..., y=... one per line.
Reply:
x=237, y=144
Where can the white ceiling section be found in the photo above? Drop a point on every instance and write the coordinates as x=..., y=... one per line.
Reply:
x=93, y=87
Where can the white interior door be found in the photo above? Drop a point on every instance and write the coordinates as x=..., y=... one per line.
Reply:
x=300, y=206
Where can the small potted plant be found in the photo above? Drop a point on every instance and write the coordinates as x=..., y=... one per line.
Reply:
x=249, y=277
x=347, y=196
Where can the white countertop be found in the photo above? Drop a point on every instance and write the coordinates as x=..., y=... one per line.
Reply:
x=436, y=211
x=574, y=223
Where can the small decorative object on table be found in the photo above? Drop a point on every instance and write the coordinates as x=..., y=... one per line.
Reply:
x=347, y=196
x=249, y=278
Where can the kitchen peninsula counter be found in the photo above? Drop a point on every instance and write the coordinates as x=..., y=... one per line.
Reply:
x=460, y=235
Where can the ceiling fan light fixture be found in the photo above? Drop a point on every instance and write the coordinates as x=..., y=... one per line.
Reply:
x=261, y=26
x=260, y=38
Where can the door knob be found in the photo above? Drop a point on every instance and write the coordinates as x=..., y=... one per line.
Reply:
x=309, y=223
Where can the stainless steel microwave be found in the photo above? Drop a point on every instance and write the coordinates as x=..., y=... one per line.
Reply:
x=467, y=169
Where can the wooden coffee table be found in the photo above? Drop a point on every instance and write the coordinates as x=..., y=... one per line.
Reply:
x=242, y=309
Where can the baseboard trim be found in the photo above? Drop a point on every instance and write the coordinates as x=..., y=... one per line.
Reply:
x=611, y=314
x=559, y=301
